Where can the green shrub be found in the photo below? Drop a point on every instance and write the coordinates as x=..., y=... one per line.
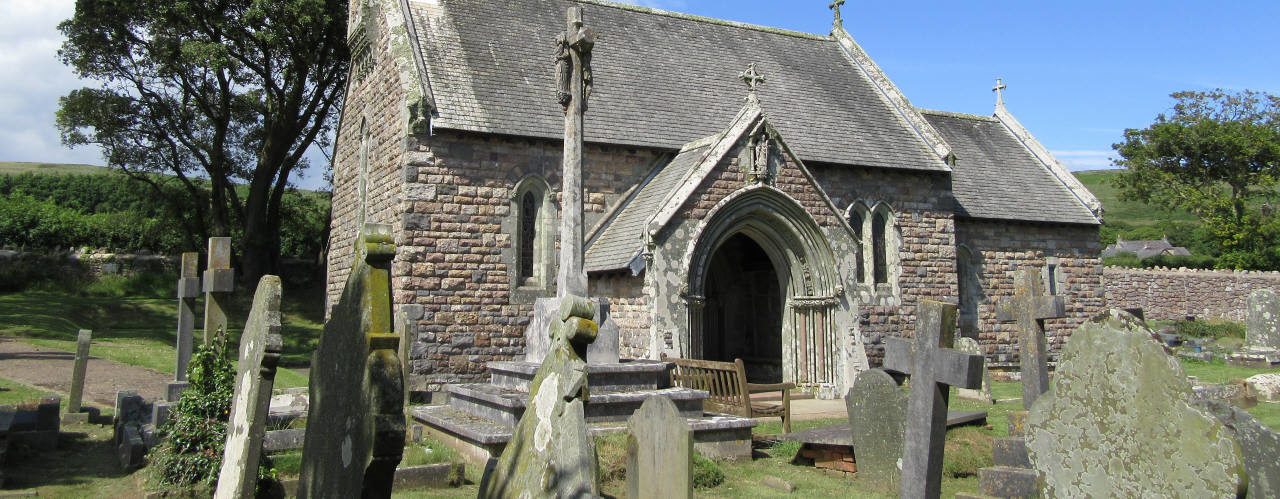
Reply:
x=1178, y=261
x=706, y=473
x=1211, y=329
x=1123, y=259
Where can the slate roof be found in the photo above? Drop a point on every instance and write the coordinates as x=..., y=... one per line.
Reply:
x=996, y=177
x=622, y=239
x=661, y=80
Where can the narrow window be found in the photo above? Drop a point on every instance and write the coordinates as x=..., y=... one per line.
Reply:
x=880, y=264
x=528, y=234
x=855, y=222
x=1052, y=274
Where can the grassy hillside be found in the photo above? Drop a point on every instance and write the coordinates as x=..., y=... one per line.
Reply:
x=1127, y=213
x=16, y=167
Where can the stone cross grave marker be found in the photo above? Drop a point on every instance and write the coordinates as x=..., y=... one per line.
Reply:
x=878, y=418
x=1109, y=428
x=1029, y=308
x=188, y=291
x=550, y=453
x=355, y=425
x=260, y=347
x=934, y=368
x=659, y=451
x=1262, y=319
x=219, y=283
x=83, y=340
x=574, y=80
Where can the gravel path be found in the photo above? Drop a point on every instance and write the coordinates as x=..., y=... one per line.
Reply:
x=49, y=368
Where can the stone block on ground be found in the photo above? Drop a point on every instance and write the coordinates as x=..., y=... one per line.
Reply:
x=1004, y=481
x=1011, y=452
x=1266, y=386
x=982, y=394
x=1092, y=434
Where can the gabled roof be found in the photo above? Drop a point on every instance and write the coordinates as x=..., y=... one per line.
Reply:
x=661, y=80
x=1145, y=249
x=996, y=176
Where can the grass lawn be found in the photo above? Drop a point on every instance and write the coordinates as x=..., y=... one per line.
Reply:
x=14, y=393
x=18, y=167
x=137, y=327
x=1133, y=213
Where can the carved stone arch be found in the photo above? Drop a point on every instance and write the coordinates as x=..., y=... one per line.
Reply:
x=806, y=266
x=884, y=251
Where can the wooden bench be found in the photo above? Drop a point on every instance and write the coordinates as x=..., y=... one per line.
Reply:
x=726, y=382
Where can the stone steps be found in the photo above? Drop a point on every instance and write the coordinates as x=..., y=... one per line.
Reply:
x=635, y=375
x=506, y=405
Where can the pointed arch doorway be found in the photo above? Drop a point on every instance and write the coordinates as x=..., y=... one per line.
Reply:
x=742, y=317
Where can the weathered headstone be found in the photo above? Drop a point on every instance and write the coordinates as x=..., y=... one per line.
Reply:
x=550, y=453
x=73, y=415
x=1119, y=422
x=659, y=451
x=356, y=426
x=1262, y=320
x=188, y=291
x=132, y=413
x=878, y=420
x=1029, y=308
x=983, y=393
x=260, y=347
x=1259, y=445
x=934, y=368
x=219, y=283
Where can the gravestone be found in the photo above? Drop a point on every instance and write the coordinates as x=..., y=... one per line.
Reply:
x=219, y=283
x=260, y=347
x=188, y=291
x=73, y=415
x=356, y=425
x=878, y=418
x=934, y=368
x=1029, y=307
x=1260, y=446
x=659, y=451
x=1262, y=320
x=132, y=413
x=1118, y=421
x=983, y=393
x=550, y=453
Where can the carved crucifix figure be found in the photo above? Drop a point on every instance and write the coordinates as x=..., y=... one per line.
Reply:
x=573, y=70
x=1029, y=307
x=835, y=7
x=934, y=368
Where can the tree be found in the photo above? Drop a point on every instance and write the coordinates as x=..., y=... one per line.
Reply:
x=226, y=96
x=1217, y=155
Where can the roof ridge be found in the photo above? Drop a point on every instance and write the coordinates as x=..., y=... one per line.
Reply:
x=705, y=19
x=953, y=114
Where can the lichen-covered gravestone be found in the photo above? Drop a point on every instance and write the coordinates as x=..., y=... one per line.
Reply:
x=1259, y=444
x=1118, y=421
x=659, y=451
x=1262, y=320
x=550, y=453
x=260, y=347
x=356, y=428
x=983, y=394
x=878, y=418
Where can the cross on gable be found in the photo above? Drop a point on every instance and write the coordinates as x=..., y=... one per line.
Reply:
x=751, y=78
x=1029, y=307
x=999, y=90
x=934, y=368
x=835, y=7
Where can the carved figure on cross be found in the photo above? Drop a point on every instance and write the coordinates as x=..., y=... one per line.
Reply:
x=1029, y=307
x=835, y=7
x=934, y=368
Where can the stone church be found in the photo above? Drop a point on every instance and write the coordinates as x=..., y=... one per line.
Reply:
x=750, y=192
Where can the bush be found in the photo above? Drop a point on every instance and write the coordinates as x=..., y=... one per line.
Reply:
x=706, y=473
x=1178, y=261
x=1123, y=259
x=190, y=452
x=1212, y=329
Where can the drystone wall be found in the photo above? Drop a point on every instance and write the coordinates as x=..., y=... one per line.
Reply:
x=1171, y=294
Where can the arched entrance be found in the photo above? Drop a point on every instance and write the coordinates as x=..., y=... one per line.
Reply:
x=742, y=318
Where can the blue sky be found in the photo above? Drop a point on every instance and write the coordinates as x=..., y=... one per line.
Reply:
x=1079, y=72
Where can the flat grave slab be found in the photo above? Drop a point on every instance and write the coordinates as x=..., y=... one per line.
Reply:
x=831, y=447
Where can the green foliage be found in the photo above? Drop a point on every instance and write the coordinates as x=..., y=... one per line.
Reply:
x=1179, y=261
x=1216, y=155
x=967, y=449
x=190, y=453
x=1212, y=329
x=1123, y=259
x=706, y=473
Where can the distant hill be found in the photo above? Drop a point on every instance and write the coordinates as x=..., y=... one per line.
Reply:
x=1132, y=214
x=16, y=167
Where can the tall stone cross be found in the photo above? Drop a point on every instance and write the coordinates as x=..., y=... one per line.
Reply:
x=188, y=291
x=934, y=368
x=999, y=90
x=573, y=70
x=1029, y=308
x=219, y=282
x=835, y=7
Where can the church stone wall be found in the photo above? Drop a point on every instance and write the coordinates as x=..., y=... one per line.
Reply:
x=456, y=258
x=926, y=268
x=1170, y=294
x=1003, y=247
x=630, y=311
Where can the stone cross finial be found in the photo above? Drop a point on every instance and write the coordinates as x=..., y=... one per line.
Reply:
x=934, y=368
x=999, y=90
x=835, y=7
x=752, y=79
x=1029, y=307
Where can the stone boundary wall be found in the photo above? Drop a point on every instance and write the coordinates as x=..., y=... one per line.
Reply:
x=1176, y=293
x=92, y=265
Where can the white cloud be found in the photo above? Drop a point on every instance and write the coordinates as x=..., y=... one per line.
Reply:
x=31, y=81
x=1085, y=160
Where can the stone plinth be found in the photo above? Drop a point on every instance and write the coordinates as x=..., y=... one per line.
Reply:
x=537, y=342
